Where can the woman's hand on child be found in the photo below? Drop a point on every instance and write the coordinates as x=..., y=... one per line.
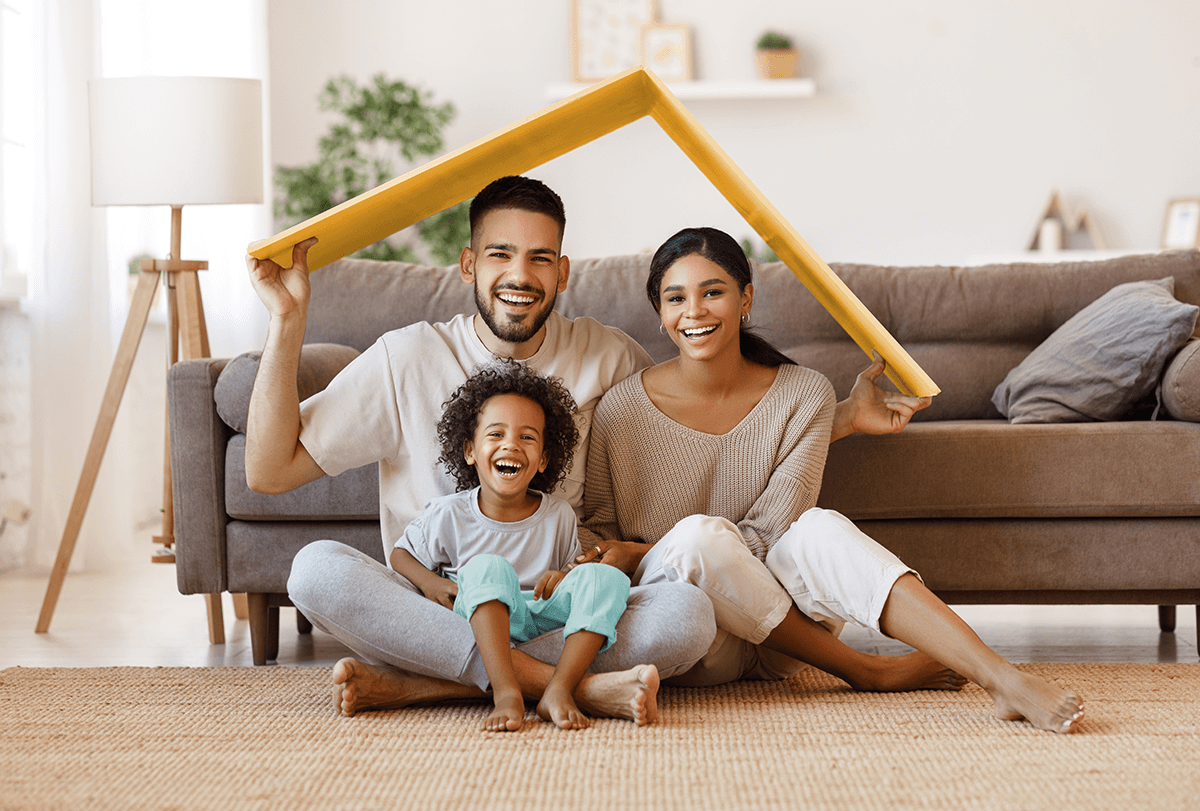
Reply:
x=624, y=555
x=547, y=583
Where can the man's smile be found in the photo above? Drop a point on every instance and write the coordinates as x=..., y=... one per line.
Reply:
x=517, y=298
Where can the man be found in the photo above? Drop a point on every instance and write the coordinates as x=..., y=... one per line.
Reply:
x=384, y=408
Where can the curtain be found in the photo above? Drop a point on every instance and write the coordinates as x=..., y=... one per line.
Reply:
x=78, y=299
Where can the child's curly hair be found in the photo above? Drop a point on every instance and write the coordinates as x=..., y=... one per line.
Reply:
x=460, y=417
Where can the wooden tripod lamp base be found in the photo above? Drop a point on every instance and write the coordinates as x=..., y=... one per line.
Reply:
x=187, y=338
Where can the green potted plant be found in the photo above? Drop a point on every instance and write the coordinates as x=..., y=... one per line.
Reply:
x=776, y=56
x=378, y=123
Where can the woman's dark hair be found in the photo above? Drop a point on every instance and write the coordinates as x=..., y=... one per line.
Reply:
x=723, y=250
x=460, y=417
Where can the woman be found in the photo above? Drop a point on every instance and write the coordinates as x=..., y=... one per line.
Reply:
x=707, y=468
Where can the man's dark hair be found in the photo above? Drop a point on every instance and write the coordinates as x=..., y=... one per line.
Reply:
x=524, y=193
x=460, y=418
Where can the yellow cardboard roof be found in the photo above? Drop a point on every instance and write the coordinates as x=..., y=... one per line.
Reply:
x=555, y=131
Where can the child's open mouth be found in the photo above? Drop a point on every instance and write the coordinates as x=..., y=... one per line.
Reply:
x=507, y=468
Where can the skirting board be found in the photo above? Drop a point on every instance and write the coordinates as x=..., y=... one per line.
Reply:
x=558, y=129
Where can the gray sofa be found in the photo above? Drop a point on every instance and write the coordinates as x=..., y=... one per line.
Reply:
x=986, y=510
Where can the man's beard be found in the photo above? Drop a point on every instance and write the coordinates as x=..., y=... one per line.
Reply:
x=510, y=330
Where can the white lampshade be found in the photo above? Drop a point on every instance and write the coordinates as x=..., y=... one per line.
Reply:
x=176, y=141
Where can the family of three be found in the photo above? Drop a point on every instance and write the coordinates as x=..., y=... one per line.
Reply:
x=695, y=481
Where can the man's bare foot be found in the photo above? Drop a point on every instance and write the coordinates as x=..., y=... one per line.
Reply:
x=558, y=707
x=358, y=686
x=508, y=714
x=631, y=694
x=913, y=671
x=1020, y=695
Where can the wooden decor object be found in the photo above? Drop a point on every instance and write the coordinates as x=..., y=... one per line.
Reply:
x=556, y=130
x=1067, y=228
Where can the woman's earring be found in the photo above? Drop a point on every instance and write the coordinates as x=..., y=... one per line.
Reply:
x=745, y=318
x=662, y=329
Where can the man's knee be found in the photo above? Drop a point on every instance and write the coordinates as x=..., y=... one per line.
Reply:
x=313, y=568
x=680, y=621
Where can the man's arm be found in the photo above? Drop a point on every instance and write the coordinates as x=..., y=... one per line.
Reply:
x=871, y=410
x=276, y=460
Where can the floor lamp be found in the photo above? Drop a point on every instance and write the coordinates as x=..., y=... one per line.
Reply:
x=171, y=141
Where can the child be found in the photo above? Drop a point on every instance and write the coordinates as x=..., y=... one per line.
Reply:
x=506, y=434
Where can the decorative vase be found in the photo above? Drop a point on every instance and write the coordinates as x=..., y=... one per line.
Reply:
x=776, y=63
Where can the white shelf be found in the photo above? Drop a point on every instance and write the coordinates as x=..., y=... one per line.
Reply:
x=732, y=91
x=1065, y=255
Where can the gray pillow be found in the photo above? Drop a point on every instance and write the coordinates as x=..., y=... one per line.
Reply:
x=1104, y=361
x=318, y=365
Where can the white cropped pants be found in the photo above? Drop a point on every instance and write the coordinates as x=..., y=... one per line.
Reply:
x=824, y=565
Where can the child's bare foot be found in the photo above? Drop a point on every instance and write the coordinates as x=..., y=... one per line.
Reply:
x=508, y=715
x=558, y=706
x=631, y=694
x=1019, y=695
x=358, y=686
x=913, y=671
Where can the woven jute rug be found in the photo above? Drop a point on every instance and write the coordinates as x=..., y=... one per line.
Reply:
x=126, y=738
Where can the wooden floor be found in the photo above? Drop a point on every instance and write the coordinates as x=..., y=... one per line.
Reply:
x=136, y=616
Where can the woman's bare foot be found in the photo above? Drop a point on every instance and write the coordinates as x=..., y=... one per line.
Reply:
x=631, y=694
x=358, y=686
x=913, y=671
x=508, y=714
x=1019, y=695
x=558, y=707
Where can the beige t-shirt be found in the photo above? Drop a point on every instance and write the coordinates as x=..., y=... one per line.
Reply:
x=385, y=405
x=646, y=472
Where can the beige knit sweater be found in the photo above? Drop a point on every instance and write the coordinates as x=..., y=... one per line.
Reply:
x=646, y=472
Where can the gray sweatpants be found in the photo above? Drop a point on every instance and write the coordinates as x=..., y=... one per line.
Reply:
x=385, y=619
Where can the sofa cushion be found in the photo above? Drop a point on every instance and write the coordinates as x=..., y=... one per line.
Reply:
x=352, y=495
x=318, y=365
x=1181, y=383
x=354, y=301
x=1104, y=361
x=991, y=469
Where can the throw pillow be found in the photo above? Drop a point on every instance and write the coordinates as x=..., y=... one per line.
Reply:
x=1181, y=383
x=318, y=365
x=1104, y=361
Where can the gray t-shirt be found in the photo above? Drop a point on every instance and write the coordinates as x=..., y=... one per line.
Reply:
x=451, y=530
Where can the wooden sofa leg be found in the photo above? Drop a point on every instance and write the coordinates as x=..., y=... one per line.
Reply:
x=1166, y=618
x=303, y=626
x=273, y=632
x=259, y=614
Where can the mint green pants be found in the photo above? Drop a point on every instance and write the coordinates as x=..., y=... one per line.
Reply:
x=590, y=598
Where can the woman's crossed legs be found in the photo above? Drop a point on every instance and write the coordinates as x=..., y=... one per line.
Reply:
x=822, y=573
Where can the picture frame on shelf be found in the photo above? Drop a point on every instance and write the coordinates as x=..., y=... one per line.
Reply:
x=1181, y=226
x=606, y=36
x=667, y=50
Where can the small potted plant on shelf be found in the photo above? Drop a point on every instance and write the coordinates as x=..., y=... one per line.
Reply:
x=776, y=56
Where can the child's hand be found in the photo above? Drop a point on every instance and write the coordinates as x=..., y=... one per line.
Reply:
x=546, y=585
x=443, y=592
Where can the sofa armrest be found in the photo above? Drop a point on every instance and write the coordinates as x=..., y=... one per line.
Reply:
x=1181, y=383
x=198, y=440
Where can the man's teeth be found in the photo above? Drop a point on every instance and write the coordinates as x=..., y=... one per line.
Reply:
x=516, y=299
x=697, y=332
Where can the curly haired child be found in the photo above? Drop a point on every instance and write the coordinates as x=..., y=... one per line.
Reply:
x=497, y=552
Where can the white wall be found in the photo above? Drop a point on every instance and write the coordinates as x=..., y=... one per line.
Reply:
x=939, y=129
